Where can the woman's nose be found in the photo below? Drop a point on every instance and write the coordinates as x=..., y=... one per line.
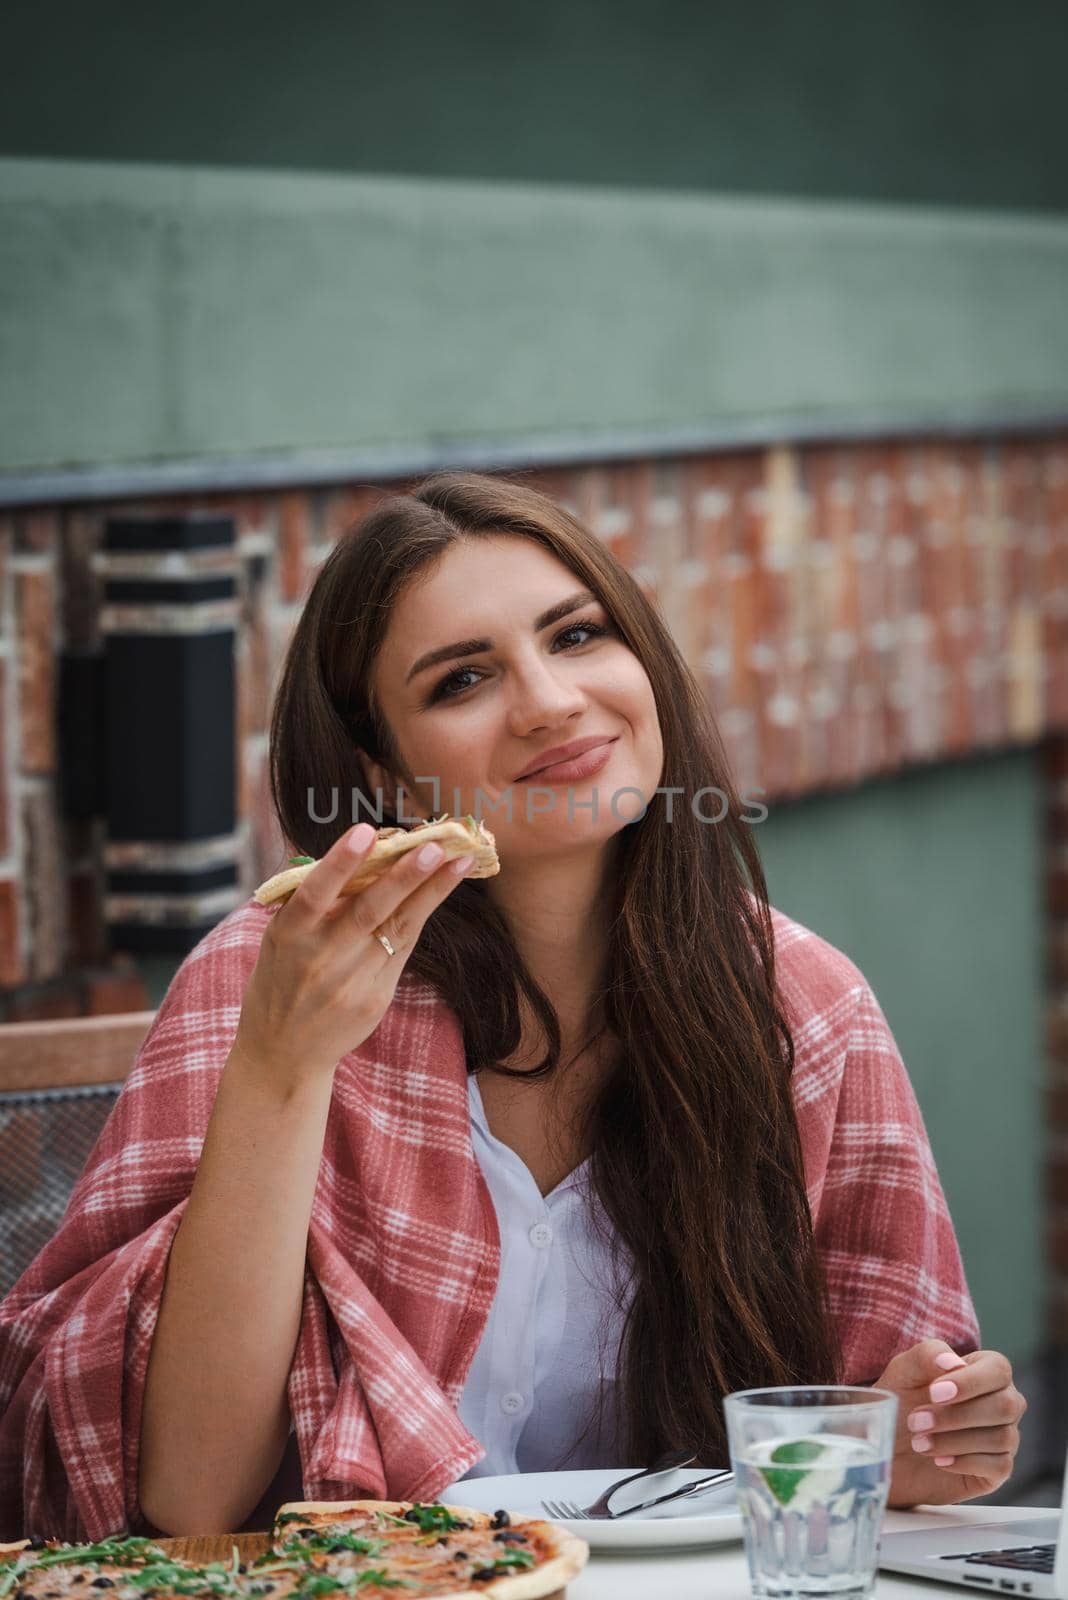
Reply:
x=542, y=691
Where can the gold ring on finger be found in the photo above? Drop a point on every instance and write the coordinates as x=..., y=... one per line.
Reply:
x=384, y=942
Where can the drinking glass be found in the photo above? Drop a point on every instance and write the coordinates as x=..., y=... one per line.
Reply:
x=812, y=1469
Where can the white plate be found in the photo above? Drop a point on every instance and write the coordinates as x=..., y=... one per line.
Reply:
x=712, y=1518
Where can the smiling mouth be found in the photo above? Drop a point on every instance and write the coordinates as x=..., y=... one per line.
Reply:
x=594, y=750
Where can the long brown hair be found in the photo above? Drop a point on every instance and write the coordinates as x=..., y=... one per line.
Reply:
x=695, y=1152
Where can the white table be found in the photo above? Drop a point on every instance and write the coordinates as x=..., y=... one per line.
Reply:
x=721, y=1573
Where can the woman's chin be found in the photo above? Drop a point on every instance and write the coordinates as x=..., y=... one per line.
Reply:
x=546, y=836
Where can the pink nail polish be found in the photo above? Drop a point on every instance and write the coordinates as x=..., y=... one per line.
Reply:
x=944, y=1461
x=921, y=1422
x=921, y=1442
x=944, y=1390
x=948, y=1360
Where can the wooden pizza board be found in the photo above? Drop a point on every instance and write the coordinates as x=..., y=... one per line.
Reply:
x=204, y=1547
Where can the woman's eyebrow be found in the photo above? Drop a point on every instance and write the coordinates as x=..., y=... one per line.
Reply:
x=472, y=647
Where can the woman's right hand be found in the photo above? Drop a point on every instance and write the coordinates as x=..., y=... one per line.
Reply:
x=322, y=981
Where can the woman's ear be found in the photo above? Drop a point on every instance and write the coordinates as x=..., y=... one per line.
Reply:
x=385, y=784
x=383, y=787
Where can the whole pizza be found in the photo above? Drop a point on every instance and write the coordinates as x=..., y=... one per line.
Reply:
x=365, y=1548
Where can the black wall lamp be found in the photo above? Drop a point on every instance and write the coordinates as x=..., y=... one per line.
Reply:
x=160, y=697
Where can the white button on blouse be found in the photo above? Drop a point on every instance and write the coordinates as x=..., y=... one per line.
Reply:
x=552, y=1336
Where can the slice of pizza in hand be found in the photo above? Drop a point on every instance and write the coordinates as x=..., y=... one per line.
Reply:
x=457, y=836
x=429, y=1549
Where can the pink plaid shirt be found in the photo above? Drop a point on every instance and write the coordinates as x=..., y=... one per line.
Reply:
x=397, y=1288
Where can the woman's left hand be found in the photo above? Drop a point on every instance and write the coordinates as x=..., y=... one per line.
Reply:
x=957, y=1423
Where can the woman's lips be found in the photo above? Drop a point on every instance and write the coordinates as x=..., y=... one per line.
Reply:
x=584, y=766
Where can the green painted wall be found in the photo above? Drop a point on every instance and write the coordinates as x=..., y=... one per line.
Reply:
x=932, y=884
x=943, y=104
x=152, y=314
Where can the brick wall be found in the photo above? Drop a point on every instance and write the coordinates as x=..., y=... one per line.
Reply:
x=849, y=609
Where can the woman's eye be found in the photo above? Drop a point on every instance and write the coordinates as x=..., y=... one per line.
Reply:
x=452, y=685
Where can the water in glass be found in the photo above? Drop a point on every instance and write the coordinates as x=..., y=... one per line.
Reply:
x=812, y=1507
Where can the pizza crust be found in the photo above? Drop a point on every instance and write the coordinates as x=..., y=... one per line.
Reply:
x=456, y=838
x=569, y=1557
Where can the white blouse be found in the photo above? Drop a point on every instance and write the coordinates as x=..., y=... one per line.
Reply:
x=551, y=1340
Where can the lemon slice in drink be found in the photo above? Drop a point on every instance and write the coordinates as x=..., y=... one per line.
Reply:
x=786, y=1477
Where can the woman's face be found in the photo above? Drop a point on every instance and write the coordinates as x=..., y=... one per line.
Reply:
x=480, y=718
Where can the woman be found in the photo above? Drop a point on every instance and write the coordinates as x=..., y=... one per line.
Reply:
x=337, y=1225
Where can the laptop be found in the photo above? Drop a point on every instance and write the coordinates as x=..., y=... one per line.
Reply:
x=1017, y=1555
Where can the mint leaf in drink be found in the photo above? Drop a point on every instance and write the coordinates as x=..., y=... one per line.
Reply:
x=785, y=1479
x=796, y=1450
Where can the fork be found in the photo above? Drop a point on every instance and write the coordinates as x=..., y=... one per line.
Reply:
x=568, y=1511
x=599, y=1508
